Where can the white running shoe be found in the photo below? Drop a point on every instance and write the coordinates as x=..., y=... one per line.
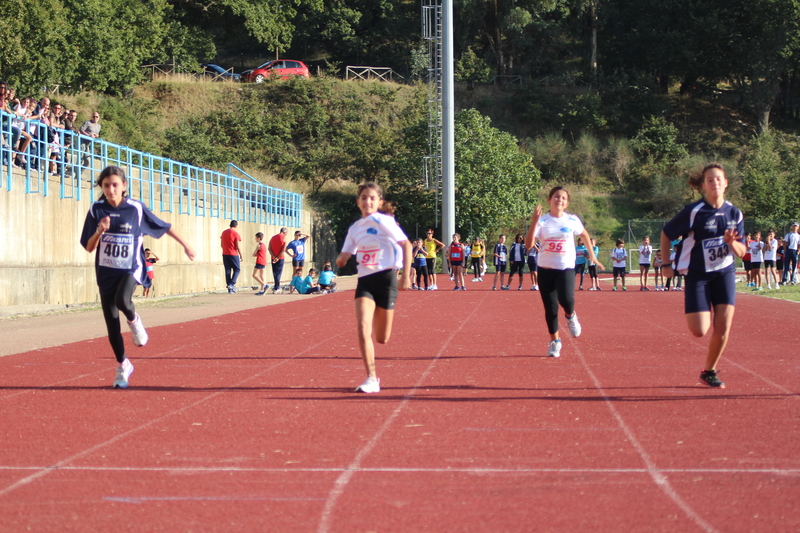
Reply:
x=554, y=350
x=124, y=371
x=138, y=331
x=371, y=385
x=574, y=325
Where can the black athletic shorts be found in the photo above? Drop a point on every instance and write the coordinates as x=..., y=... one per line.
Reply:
x=380, y=287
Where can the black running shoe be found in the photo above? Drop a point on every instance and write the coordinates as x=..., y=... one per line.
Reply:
x=709, y=377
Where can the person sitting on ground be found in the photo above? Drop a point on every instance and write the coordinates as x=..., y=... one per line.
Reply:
x=325, y=280
x=303, y=285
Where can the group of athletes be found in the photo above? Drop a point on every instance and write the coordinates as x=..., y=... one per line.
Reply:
x=710, y=234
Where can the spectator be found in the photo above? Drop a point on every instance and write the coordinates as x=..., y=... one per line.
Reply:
x=277, y=246
x=22, y=111
x=791, y=245
x=40, y=132
x=303, y=285
x=89, y=130
x=54, y=136
x=325, y=281
x=231, y=255
x=260, y=254
x=297, y=249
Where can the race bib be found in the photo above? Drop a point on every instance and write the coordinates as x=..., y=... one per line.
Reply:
x=300, y=249
x=369, y=254
x=455, y=255
x=555, y=245
x=116, y=251
x=717, y=254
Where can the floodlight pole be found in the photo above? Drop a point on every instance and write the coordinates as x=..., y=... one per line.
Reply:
x=448, y=122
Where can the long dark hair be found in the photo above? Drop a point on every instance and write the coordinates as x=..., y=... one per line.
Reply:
x=111, y=170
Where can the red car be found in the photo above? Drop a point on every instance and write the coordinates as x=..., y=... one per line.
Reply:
x=283, y=68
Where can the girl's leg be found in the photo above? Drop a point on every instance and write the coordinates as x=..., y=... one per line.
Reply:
x=700, y=323
x=424, y=272
x=549, y=294
x=565, y=289
x=112, y=303
x=496, y=274
x=365, y=314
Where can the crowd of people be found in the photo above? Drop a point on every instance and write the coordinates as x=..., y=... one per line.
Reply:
x=772, y=261
x=42, y=132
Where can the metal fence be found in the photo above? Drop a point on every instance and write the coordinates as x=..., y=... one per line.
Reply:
x=68, y=162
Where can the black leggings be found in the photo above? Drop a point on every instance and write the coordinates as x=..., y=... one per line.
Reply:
x=556, y=287
x=475, y=263
x=580, y=269
x=113, y=303
x=422, y=272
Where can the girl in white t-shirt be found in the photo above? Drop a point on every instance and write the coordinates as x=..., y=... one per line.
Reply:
x=645, y=257
x=619, y=256
x=770, y=254
x=756, y=259
x=380, y=247
x=556, y=232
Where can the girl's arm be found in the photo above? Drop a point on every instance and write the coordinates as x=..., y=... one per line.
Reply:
x=405, y=276
x=590, y=251
x=186, y=248
x=102, y=227
x=732, y=238
x=343, y=258
x=530, y=239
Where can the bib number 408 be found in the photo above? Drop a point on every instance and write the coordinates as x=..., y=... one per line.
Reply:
x=116, y=250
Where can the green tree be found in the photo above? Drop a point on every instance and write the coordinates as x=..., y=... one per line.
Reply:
x=496, y=184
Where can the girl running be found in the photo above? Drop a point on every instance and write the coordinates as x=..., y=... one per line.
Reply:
x=380, y=247
x=115, y=226
x=556, y=231
x=711, y=229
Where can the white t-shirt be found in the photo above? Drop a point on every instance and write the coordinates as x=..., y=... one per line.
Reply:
x=792, y=240
x=618, y=256
x=645, y=253
x=557, y=236
x=755, y=251
x=374, y=241
x=770, y=255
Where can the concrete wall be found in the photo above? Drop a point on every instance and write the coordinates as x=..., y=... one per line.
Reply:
x=43, y=266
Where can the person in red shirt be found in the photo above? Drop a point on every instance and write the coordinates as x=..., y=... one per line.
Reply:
x=261, y=262
x=277, y=246
x=231, y=255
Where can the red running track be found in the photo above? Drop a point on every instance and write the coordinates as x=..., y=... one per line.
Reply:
x=247, y=422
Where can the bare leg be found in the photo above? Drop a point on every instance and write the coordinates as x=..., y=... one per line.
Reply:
x=367, y=314
x=699, y=324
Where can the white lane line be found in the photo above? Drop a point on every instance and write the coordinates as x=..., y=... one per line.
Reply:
x=409, y=469
x=64, y=462
x=341, y=482
x=657, y=475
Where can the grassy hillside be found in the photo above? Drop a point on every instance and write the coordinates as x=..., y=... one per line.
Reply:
x=623, y=149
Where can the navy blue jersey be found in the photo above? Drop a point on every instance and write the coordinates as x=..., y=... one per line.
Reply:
x=702, y=227
x=502, y=251
x=120, y=250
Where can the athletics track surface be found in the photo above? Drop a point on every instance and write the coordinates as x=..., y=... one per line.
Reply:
x=247, y=422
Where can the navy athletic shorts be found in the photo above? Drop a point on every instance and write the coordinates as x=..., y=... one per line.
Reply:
x=706, y=290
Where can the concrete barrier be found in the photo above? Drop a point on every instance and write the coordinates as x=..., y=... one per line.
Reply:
x=44, y=267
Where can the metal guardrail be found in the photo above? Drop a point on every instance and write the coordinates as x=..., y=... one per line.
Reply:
x=371, y=73
x=71, y=161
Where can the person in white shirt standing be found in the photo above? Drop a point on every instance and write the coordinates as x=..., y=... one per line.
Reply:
x=756, y=259
x=556, y=231
x=770, y=254
x=791, y=242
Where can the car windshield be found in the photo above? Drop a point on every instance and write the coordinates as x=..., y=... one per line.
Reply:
x=215, y=68
x=265, y=65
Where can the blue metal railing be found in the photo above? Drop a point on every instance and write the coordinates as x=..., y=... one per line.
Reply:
x=72, y=161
